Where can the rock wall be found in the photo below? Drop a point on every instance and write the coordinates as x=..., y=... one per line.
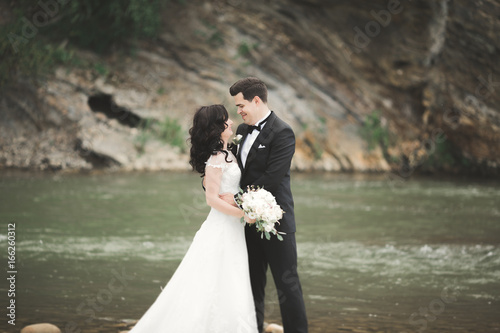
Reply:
x=430, y=67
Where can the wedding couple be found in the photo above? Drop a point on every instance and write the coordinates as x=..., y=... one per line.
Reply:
x=219, y=285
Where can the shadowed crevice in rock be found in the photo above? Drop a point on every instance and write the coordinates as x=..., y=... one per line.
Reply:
x=98, y=161
x=104, y=103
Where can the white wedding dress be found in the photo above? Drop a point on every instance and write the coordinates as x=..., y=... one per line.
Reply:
x=210, y=291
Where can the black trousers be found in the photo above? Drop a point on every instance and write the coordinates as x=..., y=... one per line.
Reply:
x=281, y=257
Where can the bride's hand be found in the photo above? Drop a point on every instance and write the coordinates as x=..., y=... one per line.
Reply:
x=249, y=220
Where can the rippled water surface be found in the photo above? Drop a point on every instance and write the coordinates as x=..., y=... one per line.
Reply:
x=374, y=255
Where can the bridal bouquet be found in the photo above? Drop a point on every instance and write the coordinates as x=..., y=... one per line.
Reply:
x=260, y=204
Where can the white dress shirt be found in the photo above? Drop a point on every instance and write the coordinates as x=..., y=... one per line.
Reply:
x=250, y=139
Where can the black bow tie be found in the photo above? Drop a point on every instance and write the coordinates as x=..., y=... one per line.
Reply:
x=258, y=126
x=253, y=127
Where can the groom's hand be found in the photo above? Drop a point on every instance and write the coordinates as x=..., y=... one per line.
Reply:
x=229, y=198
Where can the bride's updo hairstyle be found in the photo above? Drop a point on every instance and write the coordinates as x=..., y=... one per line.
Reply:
x=208, y=124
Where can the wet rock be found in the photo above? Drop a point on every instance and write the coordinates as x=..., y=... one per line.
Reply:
x=273, y=328
x=41, y=328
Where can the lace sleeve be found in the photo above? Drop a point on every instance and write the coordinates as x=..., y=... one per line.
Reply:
x=217, y=161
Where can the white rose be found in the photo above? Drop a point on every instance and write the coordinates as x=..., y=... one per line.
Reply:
x=252, y=215
x=260, y=211
x=268, y=227
x=259, y=203
x=278, y=212
x=269, y=197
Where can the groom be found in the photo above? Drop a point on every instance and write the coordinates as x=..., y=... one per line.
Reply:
x=264, y=156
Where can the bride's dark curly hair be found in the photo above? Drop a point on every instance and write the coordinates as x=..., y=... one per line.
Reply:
x=208, y=124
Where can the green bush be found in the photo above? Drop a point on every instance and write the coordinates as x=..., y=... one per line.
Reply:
x=29, y=42
x=244, y=49
x=373, y=132
x=211, y=34
x=440, y=155
x=97, y=24
x=168, y=131
x=140, y=141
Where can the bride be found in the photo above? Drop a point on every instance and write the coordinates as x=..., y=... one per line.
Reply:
x=210, y=290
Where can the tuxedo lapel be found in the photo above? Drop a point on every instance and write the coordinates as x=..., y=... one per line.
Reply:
x=261, y=139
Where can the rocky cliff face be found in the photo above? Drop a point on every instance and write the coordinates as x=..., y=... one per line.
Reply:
x=430, y=67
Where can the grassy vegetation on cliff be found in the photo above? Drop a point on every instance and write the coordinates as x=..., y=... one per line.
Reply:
x=167, y=131
x=30, y=42
x=373, y=132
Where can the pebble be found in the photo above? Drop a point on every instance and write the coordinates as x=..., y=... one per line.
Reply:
x=41, y=328
x=273, y=328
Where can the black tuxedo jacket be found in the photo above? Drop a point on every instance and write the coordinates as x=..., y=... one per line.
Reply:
x=268, y=165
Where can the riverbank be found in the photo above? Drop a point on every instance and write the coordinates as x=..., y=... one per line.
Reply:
x=354, y=323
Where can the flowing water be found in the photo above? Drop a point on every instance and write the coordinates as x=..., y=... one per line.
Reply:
x=93, y=251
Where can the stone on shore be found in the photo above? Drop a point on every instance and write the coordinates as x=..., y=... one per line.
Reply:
x=41, y=328
x=273, y=328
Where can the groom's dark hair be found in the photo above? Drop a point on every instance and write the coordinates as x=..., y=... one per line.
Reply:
x=250, y=87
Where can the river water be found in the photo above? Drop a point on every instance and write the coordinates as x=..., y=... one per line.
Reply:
x=375, y=255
